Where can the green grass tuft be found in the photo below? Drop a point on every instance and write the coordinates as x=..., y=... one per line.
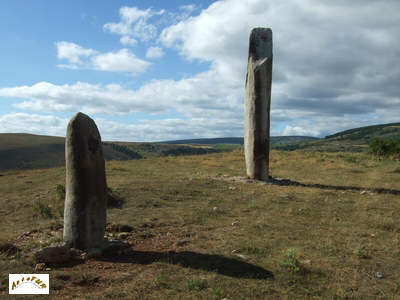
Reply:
x=42, y=209
x=290, y=261
x=197, y=284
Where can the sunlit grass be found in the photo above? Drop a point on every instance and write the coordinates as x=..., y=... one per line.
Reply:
x=341, y=237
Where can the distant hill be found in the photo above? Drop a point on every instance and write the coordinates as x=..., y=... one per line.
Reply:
x=352, y=140
x=209, y=141
x=275, y=140
x=25, y=151
x=391, y=130
x=29, y=151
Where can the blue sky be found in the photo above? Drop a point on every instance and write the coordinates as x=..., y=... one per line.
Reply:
x=161, y=70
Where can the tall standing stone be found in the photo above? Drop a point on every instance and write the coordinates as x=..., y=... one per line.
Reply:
x=257, y=104
x=86, y=188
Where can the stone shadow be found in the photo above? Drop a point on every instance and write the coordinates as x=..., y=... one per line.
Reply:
x=287, y=182
x=188, y=259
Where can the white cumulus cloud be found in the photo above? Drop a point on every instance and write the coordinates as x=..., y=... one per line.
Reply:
x=144, y=130
x=121, y=61
x=335, y=67
x=78, y=57
x=128, y=41
x=33, y=123
x=134, y=24
x=73, y=52
x=154, y=52
x=113, y=98
x=331, y=59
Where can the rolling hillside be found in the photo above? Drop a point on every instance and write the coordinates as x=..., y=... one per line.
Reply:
x=28, y=151
x=391, y=130
x=275, y=140
x=352, y=140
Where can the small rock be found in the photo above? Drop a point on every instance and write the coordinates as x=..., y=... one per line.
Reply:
x=232, y=188
x=57, y=254
x=59, y=244
x=40, y=267
x=48, y=269
x=235, y=223
x=118, y=228
x=8, y=249
x=363, y=192
x=125, y=228
x=244, y=257
x=123, y=235
x=306, y=261
x=379, y=275
x=215, y=208
x=235, y=251
x=373, y=235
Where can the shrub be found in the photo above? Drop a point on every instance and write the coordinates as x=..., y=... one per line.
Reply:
x=197, y=284
x=60, y=191
x=60, y=199
x=113, y=199
x=384, y=146
x=361, y=253
x=290, y=261
x=43, y=210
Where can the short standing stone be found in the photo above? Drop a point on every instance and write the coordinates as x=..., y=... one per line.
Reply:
x=257, y=105
x=86, y=188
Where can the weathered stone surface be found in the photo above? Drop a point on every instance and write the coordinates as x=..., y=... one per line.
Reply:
x=257, y=104
x=86, y=188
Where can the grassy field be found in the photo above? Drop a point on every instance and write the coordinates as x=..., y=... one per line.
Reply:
x=199, y=234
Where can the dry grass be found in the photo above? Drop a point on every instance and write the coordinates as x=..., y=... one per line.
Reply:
x=323, y=243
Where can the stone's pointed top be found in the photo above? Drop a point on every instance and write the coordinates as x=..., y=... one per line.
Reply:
x=80, y=118
x=262, y=30
x=260, y=45
x=79, y=115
